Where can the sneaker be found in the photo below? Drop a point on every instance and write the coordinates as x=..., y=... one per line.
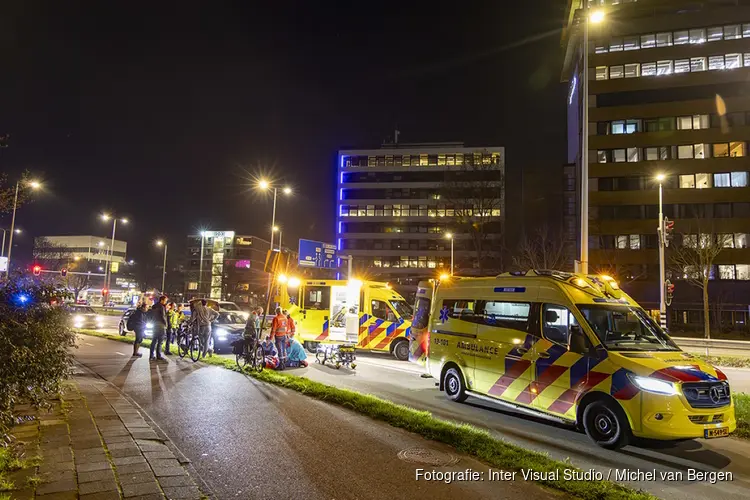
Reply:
x=151, y=358
x=168, y=353
x=159, y=358
x=138, y=355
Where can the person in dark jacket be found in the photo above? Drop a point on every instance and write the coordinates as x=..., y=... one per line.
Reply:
x=158, y=315
x=138, y=320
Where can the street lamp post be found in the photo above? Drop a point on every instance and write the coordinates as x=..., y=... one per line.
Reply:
x=164, y=268
x=277, y=228
x=450, y=236
x=32, y=185
x=595, y=17
x=2, y=247
x=108, y=266
x=662, y=277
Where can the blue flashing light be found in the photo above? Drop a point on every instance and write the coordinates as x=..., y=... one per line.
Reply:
x=339, y=244
x=21, y=299
x=340, y=227
x=341, y=194
x=342, y=178
x=341, y=161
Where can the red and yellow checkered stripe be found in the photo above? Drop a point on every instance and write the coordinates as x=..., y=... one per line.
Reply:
x=374, y=333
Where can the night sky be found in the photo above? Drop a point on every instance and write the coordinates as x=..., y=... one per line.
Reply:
x=163, y=112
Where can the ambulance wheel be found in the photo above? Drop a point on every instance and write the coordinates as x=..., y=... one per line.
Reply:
x=453, y=385
x=312, y=347
x=606, y=425
x=401, y=350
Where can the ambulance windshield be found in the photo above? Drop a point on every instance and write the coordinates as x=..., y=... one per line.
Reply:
x=403, y=309
x=626, y=328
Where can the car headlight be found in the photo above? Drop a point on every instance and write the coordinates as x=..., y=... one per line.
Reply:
x=221, y=334
x=78, y=318
x=149, y=325
x=654, y=385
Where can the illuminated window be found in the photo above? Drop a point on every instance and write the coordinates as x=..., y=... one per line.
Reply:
x=664, y=39
x=685, y=152
x=733, y=61
x=652, y=154
x=700, y=151
x=716, y=62
x=702, y=181
x=423, y=160
x=601, y=48
x=616, y=72
x=664, y=68
x=681, y=37
x=697, y=64
x=632, y=70
x=635, y=241
x=739, y=179
x=615, y=45
x=406, y=161
x=601, y=156
x=698, y=35
x=720, y=150
x=622, y=242
x=726, y=272
x=648, y=69
x=633, y=155
x=370, y=210
x=722, y=180
x=732, y=32
x=648, y=41
x=459, y=158
x=601, y=72
x=619, y=155
x=441, y=160
x=736, y=149
x=714, y=34
x=192, y=285
x=687, y=181
x=631, y=43
x=682, y=66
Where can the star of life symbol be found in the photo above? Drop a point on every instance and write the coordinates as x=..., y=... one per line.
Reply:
x=444, y=314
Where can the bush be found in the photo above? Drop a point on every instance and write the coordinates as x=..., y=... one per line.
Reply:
x=34, y=346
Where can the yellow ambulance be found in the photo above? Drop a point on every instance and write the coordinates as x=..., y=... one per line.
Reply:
x=369, y=314
x=574, y=348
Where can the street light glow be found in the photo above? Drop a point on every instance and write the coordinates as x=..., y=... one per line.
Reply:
x=597, y=16
x=287, y=190
x=124, y=221
x=159, y=243
x=101, y=243
x=660, y=177
x=263, y=184
x=445, y=276
x=35, y=184
x=17, y=231
x=106, y=216
x=275, y=228
x=449, y=235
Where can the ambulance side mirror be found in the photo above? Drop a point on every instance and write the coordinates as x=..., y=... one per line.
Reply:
x=578, y=342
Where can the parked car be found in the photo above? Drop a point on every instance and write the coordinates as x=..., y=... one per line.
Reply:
x=84, y=317
x=123, y=326
x=226, y=329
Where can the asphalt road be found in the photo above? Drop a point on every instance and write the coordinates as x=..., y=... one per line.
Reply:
x=251, y=440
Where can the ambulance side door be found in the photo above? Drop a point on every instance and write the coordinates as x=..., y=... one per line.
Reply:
x=452, y=331
x=316, y=301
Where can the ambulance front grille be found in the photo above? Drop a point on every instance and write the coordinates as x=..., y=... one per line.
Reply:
x=706, y=394
x=707, y=419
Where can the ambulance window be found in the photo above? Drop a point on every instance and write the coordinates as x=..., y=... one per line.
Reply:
x=460, y=308
x=381, y=310
x=556, y=322
x=422, y=314
x=317, y=298
x=513, y=315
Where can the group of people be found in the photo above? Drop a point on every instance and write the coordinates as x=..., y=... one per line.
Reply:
x=281, y=349
x=166, y=319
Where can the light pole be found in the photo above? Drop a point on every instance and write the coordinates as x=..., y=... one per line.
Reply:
x=277, y=228
x=660, y=229
x=2, y=248
x=160, y=243
x=32, y=185
x=265, y=185
x=108, y=267
x=450, y=237
x=200, y=264
x=595, y=17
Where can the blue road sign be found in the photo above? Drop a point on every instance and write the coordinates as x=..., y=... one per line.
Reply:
x=317, y=254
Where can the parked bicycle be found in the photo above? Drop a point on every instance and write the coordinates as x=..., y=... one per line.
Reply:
x=189, y=342
x=249, y=352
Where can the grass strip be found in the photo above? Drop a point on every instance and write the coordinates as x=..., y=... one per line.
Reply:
x=465, y=438
x=726, y=361
x=742, y=413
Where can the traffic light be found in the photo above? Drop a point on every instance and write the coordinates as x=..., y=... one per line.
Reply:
x=63, y=272
x=105, y=291
x=670, y=291
x=668, y=230
x=37, y=270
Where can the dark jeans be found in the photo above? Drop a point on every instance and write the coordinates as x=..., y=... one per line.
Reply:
x=169, y=339
x=205, y=333
x=281, y=347
x=138, y=337
x=156, y=341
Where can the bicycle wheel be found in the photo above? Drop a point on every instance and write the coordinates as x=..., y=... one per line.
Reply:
x=259, y=361
x=243, y=359
x=182, y=345
x=195, y=349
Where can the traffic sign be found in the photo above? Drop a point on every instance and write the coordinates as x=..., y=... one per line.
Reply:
x=317, y=254
x=3, y=264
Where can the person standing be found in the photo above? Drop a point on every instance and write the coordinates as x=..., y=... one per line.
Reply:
x=279, y=330
x=137, y=323
x=175, y=317
x=203, y=316
x=159, y=320
x=292, y=325
x=251, y=327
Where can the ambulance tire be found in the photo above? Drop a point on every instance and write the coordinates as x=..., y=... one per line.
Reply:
x=401, y=350
x=453, y=385
x=606, y=424
x=312, y=347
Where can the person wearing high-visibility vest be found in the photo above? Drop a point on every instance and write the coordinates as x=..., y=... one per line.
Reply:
x=292, y=325
x=279, y=331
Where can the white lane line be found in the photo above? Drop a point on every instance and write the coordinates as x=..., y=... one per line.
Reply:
x=121, y=354
x=386, y=367
x=92, y=345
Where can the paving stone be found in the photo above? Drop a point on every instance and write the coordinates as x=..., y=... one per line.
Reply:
x=118, y=439
x=27, y=494
x=56, y=487
x=115, y=432
x=148, y=497
x=63, y=495
x=128, y=460
x=60, y=475
x=93, y=466
x=82, y=444
x=124, y=445
x=97, y=486
x=145, y=434
x=132, y=451
x=90, y=459
x=156, y=455
x=55, y=466
x=140, y=477
x=103, y=495
x=172, y=481
x=133, y=468
x=169, y=471
x=132, y=490
x=160, y=462
x=95, y=475
x=49, y=422
x=183, y=492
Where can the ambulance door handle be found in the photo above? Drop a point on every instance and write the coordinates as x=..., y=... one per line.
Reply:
x=522, y=350
x=544, y=354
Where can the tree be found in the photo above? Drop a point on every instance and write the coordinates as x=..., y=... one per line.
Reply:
x=54, y=257
x=543, y=251
x=8, y=191
x=474, y=191
x=693, y=260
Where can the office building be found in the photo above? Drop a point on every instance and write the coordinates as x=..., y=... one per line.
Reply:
x=396, y=205
x=225, y=266
x=668, y=95
x=95, y=249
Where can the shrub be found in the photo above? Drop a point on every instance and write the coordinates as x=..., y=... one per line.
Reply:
x=35, y=339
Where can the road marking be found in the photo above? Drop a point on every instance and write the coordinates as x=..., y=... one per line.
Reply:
x=394, y=368
x=121, y=354
x=92, y=345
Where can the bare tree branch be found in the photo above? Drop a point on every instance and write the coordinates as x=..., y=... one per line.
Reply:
x=8, y=192
x=543, y=251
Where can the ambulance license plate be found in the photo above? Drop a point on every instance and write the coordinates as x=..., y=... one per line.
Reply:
x=716, y=433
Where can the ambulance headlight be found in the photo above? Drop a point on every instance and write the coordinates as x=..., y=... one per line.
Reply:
x=654, y=385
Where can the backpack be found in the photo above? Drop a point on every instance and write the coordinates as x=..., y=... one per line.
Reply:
x=131, y=322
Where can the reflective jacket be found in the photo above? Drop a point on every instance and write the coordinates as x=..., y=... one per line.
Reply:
x=280, y=325
x=175, y=319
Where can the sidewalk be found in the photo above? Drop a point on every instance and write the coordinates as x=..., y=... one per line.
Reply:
x=97, y=445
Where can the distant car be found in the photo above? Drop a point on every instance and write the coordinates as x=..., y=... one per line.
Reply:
x=84, y=317
x=226, y=329
x=221, y=304
x=123, y=326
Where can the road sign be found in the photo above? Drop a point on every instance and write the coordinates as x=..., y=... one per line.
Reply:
x=317, y=254
x=3, y=264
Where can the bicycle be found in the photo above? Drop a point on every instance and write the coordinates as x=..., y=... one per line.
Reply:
x=183, y=340
x=252, y=355
x=196, y=346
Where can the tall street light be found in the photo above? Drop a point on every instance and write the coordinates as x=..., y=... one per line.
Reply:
x=32, y=185
x=277, y=229
x=2, y=248
x=108, y=267
x=662, y=278
x=160, y=243
x=450, y=237
x=265, y=186
x=589, y=18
